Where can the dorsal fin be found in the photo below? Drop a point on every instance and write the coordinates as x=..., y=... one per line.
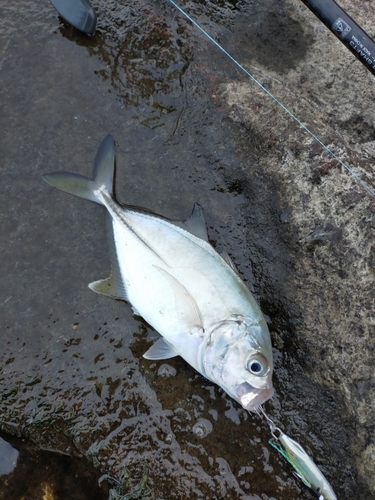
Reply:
x=225, y=256
x=195, y=224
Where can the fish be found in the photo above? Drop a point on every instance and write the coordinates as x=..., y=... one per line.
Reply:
x=176, y=281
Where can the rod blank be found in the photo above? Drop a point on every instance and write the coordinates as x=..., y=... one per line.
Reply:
x=346, y=30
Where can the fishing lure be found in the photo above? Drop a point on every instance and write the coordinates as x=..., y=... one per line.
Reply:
x=305, y=469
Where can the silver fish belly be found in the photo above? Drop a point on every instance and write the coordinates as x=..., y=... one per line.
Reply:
x=182, y=287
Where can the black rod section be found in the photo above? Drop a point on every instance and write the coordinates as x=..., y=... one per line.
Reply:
x=346, y=30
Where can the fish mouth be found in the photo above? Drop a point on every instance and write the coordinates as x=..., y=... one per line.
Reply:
x=250, y=397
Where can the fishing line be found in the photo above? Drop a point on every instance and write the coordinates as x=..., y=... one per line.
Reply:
x=272, y=96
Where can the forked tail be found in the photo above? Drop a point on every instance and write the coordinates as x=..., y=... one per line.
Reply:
x=84, y=187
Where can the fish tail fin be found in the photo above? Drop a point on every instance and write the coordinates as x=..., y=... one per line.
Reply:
x=84, y=187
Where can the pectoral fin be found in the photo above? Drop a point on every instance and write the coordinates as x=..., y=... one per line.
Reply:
x=187, y=310
x=160, y=350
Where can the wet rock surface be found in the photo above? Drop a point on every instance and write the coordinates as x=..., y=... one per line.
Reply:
x=190, y=127
x=40, y=474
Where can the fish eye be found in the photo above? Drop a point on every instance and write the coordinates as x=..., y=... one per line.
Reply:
x=257, y=365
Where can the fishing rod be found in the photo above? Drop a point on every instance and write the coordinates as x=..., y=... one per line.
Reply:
x=81, y=15
x=346, y=29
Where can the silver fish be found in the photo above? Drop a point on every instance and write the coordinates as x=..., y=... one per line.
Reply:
x=182, y=287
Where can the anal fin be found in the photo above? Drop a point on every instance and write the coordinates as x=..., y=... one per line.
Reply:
x=111, y=287
x=114, y=285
